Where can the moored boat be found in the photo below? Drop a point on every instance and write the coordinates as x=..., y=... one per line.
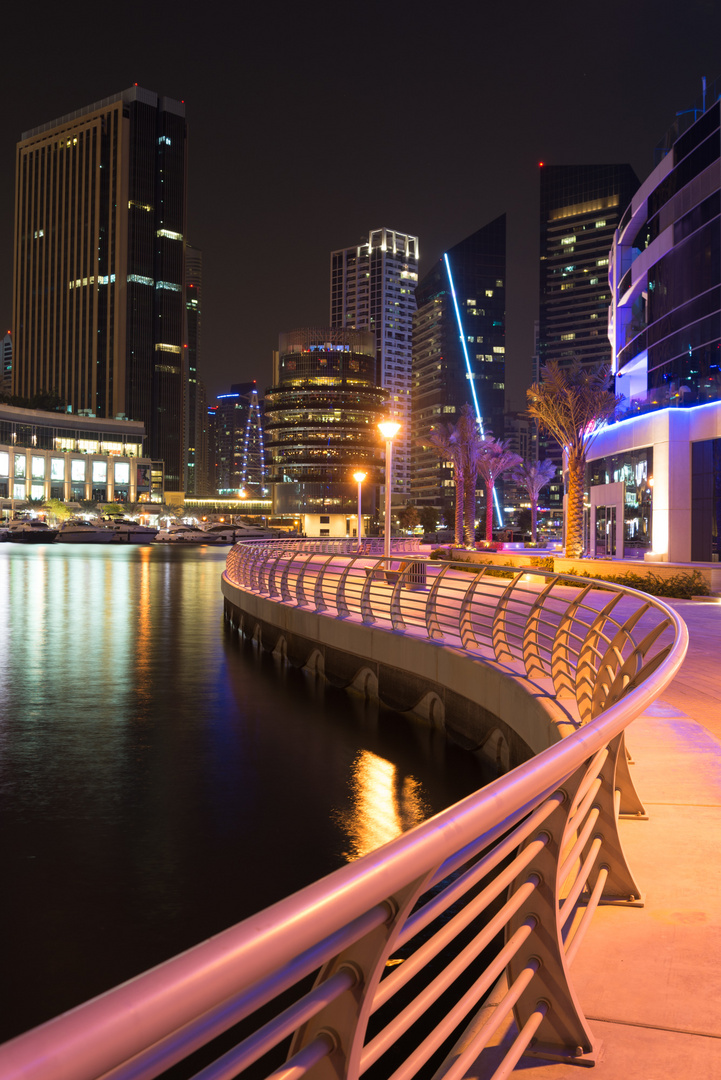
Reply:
x=30, y=531
x=123, y=531
x=185, y=534
x=84, y=532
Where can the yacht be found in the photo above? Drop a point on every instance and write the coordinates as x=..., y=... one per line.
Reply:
x=231, y=534
x=30, y=531
x=122, y=531
x=185, y=534
x=84, y=532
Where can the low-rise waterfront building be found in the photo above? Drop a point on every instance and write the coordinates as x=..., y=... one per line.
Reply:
x=54, y=455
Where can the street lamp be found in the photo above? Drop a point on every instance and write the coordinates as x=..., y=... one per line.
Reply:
x=359, y=477
x=388, y=429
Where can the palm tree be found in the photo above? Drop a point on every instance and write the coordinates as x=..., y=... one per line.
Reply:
x=571, y=403
x=472, y=449
x=495, y=459
x=445, y=440
x=533, y=477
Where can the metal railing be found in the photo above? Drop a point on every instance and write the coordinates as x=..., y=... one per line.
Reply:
x=387, y=963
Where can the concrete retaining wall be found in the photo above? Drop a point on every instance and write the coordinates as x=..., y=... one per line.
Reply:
x=486, y=707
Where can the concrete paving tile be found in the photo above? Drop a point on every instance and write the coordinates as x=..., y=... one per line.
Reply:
x=625, y=1051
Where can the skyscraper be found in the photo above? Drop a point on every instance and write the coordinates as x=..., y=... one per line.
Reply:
x=6, y=363
x=194, y=418
x=581, y=206
x=100, y=205
x=458, y=351
x=372, y=287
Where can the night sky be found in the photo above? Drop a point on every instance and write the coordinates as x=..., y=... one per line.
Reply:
x=311, y=124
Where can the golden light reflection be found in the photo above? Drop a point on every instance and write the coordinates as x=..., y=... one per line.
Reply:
x=383, y=805
x=142, y=652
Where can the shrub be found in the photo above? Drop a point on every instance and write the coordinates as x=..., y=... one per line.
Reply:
x=539, y=563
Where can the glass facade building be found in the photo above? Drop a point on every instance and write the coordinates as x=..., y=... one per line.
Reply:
x=458, y=352
x=320, y=422
x=665, y=333
x=99, y=306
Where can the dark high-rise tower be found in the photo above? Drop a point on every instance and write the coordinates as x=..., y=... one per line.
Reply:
x=99, y=311
x=581, y=206
x=194, y=419
x=458, y=351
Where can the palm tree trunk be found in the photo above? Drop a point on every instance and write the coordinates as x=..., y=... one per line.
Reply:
x=470, y=510
x=534, y=518
x=489, y=512
x=460, y=484
x=574, y=509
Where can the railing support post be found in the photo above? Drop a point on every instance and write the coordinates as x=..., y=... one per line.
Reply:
x=563, y=1034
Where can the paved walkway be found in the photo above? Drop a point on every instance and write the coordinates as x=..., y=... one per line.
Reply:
x=649, y=979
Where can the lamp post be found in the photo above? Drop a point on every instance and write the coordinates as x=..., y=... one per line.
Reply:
x=359, y=477
x=388, y=429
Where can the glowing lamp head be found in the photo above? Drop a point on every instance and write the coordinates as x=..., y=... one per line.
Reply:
x=389, y=428
x=359, y=476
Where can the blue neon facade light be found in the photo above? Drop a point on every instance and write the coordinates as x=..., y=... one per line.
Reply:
x=467, y=359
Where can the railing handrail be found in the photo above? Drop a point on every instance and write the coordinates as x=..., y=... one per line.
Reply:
x=98, y=1036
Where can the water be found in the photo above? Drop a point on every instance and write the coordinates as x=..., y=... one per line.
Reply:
x=161, y=779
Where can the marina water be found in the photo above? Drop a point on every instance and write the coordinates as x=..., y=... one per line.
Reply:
x=161, y=779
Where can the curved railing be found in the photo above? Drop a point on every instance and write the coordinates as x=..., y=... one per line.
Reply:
x=389, y=961
x=590, y=639
x=369, y=545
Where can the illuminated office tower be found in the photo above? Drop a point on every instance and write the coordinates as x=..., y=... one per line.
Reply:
x=99, y=305
x=373, y=288
x=581, y=206
x=459, y=352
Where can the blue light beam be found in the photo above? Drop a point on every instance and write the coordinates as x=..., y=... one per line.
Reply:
x=471, y=380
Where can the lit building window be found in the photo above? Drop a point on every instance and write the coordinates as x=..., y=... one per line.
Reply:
x=161, y=347
x=100, y=472
x=568, y=337
x=169, y=234
x=140, y=279
x=122, y=472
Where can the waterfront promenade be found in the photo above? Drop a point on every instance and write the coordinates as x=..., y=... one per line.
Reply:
x=649, y=979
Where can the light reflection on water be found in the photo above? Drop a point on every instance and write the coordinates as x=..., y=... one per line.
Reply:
x=160, y=779
x=383, y=806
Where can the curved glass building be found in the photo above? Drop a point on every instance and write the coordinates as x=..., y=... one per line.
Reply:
x=320, y=426
x=655, y=477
